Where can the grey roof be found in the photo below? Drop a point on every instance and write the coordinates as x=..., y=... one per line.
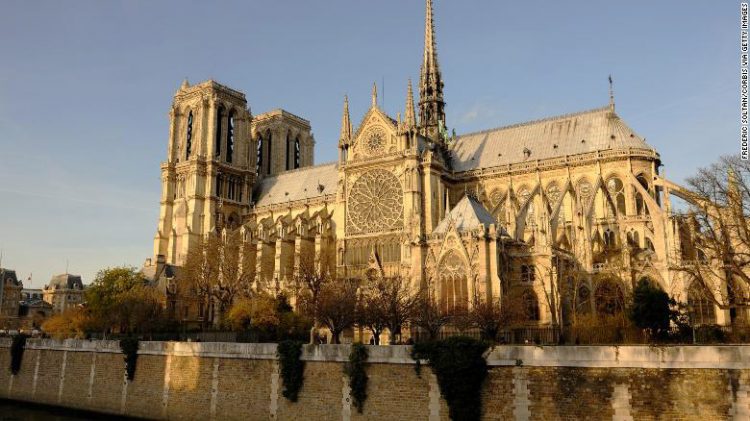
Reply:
x=304, y=183
x=569, y=134
x=35, y=302
x=150, y=274
x=466, y=215
x=7, y=274
x=65, y=281
x=158, y=275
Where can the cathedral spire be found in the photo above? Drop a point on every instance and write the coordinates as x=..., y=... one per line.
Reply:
x=346, y=123
x=611, y=96
x=409, y=116
x=374, y=94
x=430, y=62
x=431, y=103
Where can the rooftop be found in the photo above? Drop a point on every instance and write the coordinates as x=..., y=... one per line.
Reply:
x=300, y=184
x=569, y=134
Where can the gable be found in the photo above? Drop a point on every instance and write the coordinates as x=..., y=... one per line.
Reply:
x=376, y=135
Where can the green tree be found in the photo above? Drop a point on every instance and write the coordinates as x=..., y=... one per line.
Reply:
x=271, y=317
x=105, y=292
x=651, y=308
x=120, y=300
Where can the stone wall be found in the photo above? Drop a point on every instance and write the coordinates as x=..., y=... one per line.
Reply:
x=241, y=381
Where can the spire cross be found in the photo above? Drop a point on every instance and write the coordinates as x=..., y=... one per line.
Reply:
x=611, y=95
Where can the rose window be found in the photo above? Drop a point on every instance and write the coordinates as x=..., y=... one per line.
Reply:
x=375, y=142
x=375, y=203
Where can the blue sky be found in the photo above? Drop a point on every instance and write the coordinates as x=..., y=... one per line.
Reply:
x=85, y=87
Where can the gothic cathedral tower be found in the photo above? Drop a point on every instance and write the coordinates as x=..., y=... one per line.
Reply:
x=210, y=169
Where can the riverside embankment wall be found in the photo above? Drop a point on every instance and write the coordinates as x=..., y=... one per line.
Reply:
x=241, y=381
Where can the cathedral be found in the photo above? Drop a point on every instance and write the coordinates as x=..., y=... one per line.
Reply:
x=565, y=213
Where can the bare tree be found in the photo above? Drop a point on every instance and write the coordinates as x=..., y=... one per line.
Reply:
x=309, y=283
x=428, y=315
x=397, y=300
x=461, y=318
x=489, y=317
x=371, y=313
x=336, y=306
x=218, y=270
x=716, y=251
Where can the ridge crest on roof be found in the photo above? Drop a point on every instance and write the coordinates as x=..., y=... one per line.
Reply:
x=301, y=169
x=532, y=122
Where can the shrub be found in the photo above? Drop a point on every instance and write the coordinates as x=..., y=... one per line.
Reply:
x=460, y=367
x=651, y=308
x=292, y=368
x=129, y=347
x=355, y=369
x=16, y=353
x=73, y=323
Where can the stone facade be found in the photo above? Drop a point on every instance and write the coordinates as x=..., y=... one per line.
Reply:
x=241, y=381
x=567, y=213
x=63, y=292
x=10, y=296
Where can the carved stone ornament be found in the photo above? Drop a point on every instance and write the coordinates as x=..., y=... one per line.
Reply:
x=375, y=203
x=374, y=141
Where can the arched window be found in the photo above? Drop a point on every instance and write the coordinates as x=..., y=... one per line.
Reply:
x=609, y=239
x=701, y=308
x=525, y=199
x=643, y=182
x=640, y=205
x=230, y=137
x=585, y=192
x=617, y=193
x=269, y=161
x=530, y=305
x=189, y=136
x=609, y=298
x=583, y=300
x=219, y=123
x=453, y=282
x=496, y=204
x=296, y=153
x=259, y=157
x=528, y=273
x=288, y=151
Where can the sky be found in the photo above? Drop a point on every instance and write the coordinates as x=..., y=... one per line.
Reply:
x=85, y=88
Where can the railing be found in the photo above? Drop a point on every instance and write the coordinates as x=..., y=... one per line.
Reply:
x=521, y=335
x=531, y=336
x=601, y=267
x=355, y=271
